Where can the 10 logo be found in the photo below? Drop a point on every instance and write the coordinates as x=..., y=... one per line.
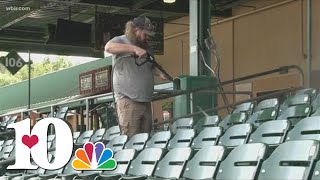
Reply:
x=34, y=143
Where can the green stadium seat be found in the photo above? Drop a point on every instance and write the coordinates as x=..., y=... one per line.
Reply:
x=293, y=101
x=296, y=113
x=209, y=136
x=233, y=119
x=83, y=138
x=123, y=158
x=264, y=115
x=144, y=164
x=207, y=121
x=267, y=103
x=271, y=132
x=183, y=123
x=204, y=163
x=236, y=135
x=291, y=160
x=97, y=135
x=112, y=132
x=137, y=141
x=244, y=107
x=316, y=104
x=75, y=136
x=182, y=138
x=310, y=91
x=172, y=164
x=243, y=162
x=117, y=143
x=159, y=140
x=306, y=129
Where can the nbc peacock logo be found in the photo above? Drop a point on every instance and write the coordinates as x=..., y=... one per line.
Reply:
x=94, y=157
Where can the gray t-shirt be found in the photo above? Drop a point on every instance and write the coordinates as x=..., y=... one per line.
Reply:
x=129, y=79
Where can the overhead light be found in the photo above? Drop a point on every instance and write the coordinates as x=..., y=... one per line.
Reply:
x=169, y=1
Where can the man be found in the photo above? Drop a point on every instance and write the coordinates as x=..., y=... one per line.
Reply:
x=133, y=80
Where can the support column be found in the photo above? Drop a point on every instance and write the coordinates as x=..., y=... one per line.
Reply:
x=200, y=19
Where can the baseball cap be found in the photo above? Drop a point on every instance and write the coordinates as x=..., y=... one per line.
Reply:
x=144, y=24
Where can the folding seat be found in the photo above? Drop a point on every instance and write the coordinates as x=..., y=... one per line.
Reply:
x=97, y=135
x=6, y=152
x=307, y=128
x=293, y=101
x=123, y=158
x=117, y=143
x=264, y=115
x=296, y=113
x=207, y=121
x=48, y=174
x=159, y=140
x=75, y=136
x=271, y=132
x=267, y=103
x=4, y=124
x=182, y=138
x=233, y=119
x=83, y=138
x=209, y=136
x=236, y=135
x=291, y=160
x=310, y=91
x=244, y=107
x=137, y=141
x=204, y=163
x=183, y=123
x=243, y=162
x=110, y=134
x=172, y=164
x=144, y=164
x=62, y=113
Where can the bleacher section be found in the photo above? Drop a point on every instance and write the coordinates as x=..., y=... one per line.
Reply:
x=268, y=140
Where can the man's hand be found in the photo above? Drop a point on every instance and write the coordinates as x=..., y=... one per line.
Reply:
x=140, y=52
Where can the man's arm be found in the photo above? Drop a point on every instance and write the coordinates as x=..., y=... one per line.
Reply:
x=118, y=48
x=157, y=72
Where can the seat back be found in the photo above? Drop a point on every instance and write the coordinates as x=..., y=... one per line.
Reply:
x=243, y=162
x=112, y=132
x=68, y=169
x=84, y=137
x=293, y=101
x=267, y=103
x=172, y=164
x=264, y=115
x=316, y=103
x=310, y=91
x=182, y=138
x=117, y=143
x=209, y=136
x=296, y=113
x=144, y=164
x=62, y=113
x=271, y=133
x=204, y=163
x=236, y=135
x=75, y=136
x=183, y=123
x=50, y=140
x=137, y=141
x=6, y=152
x=291, y=160
x=207, y=121
x=159, y=140
x=98, y=135
x=307, y=128
x=123, y=158
x=232, y=119
x=316, y=113
x=244, y=107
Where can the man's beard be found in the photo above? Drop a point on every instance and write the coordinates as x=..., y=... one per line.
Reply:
x=138, y=42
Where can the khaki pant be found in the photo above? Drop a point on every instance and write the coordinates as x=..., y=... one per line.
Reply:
x=134, y=117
